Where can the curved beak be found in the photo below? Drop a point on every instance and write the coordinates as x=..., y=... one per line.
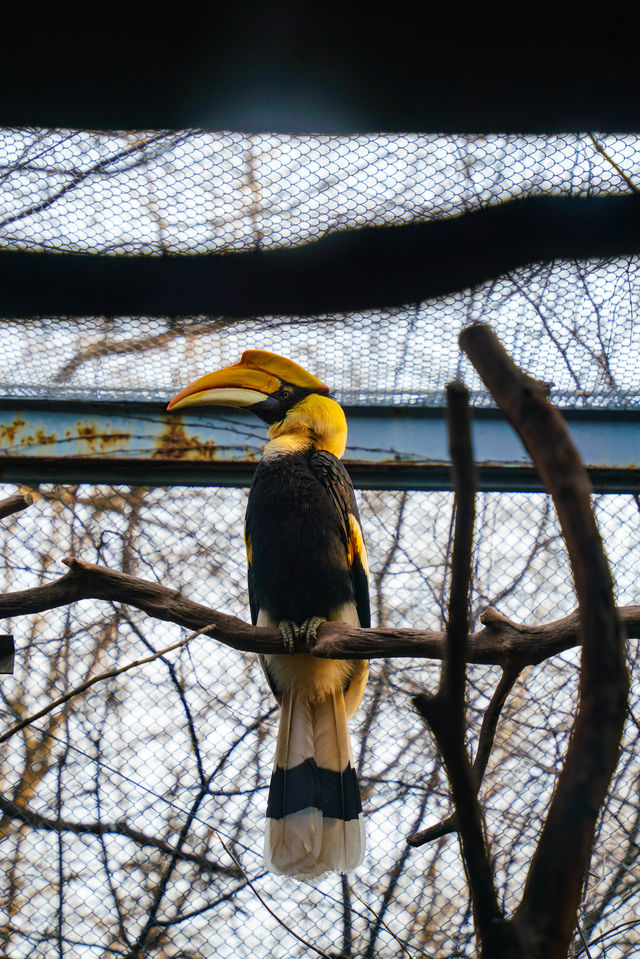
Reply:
x=236, y=385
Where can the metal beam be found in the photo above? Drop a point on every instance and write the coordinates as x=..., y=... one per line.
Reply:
x=370, y=268
x=390, y=447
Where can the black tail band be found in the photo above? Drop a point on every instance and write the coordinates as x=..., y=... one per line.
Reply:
x=336, y=795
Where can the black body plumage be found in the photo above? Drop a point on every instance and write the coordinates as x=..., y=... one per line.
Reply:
x=297, y=525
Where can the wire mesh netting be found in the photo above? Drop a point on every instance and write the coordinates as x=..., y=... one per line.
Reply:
x=545, y=316
x=145, y=795
x=133, y=812
x=194, y=191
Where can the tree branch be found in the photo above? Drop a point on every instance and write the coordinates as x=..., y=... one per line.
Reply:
x=485, y=745
x=502, y=642
x=547, y=913
x=92, y=681
x=7, y=653
x=445, y=712
x=369, y=268
x=25, y=815
x=9, y=506
x=15, y=503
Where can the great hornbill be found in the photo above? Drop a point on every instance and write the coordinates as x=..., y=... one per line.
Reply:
x=307, y=563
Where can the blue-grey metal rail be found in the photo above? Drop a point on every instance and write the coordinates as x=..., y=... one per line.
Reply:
x=390, y=447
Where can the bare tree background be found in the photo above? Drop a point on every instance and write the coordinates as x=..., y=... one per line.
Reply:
x=168, y=842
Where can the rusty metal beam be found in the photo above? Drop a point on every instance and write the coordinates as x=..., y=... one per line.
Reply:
x=390, y=447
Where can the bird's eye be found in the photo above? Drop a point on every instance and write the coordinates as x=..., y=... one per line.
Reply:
x=286, y=392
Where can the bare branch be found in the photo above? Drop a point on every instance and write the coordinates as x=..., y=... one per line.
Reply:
x=262, y=900
x=78, y=176
x=15, y=503
x=623, y=176
x=86, y=581
x=37, y=821
x=485, y=744
x=547, y=914
x=445, y=712
x=502, y=642
x=78, y=690
x=7, y=653
x=454, y=670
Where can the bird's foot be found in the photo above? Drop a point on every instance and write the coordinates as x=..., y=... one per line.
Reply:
x=290, y=632
x=294, y=632
x=309, y=629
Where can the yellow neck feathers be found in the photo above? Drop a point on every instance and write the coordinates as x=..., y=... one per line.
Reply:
x=316, y=421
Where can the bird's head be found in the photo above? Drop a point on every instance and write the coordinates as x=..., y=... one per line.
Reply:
x=294, y=402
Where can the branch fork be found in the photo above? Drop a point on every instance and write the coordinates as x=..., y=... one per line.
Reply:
x=543, y=923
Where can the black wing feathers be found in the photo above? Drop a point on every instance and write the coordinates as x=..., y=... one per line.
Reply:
x=337, y=482
x=304, y=542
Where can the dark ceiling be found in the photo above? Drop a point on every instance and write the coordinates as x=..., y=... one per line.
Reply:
x=305, y=68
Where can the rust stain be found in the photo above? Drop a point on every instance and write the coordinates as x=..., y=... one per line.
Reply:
x=9, y=433
x=42, y=438
x=114, y=439
x=96, y=439
x=171, y=441
x=86, y=437
x=88, y=433
x=174, y=443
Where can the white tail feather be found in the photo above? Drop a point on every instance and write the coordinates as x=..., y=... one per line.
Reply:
x=313, y=824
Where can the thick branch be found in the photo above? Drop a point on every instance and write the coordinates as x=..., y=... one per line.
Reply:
x=9, y=506
x=7, y=653
x=547, y=914
x=369, y=268
x=86, y=581
x=445, y=712
x=454, y=677
x=502, y=642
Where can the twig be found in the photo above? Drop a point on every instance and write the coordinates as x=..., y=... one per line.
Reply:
x=383, y=924
x=601, y=150
x=485, y=745
x=490, y=721
x=109, y=674
x=584, y=941
x=281, y=922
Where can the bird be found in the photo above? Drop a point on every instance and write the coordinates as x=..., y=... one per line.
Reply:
x=307, y=563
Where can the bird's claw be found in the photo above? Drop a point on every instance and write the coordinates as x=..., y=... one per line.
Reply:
x=294, y=632
x=309, y=629
x=290, y=632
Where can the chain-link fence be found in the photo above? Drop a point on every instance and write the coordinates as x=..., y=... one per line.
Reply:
x=133, y=812
x=140, y=794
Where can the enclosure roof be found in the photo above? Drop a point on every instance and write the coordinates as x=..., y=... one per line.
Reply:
x=169, y=200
